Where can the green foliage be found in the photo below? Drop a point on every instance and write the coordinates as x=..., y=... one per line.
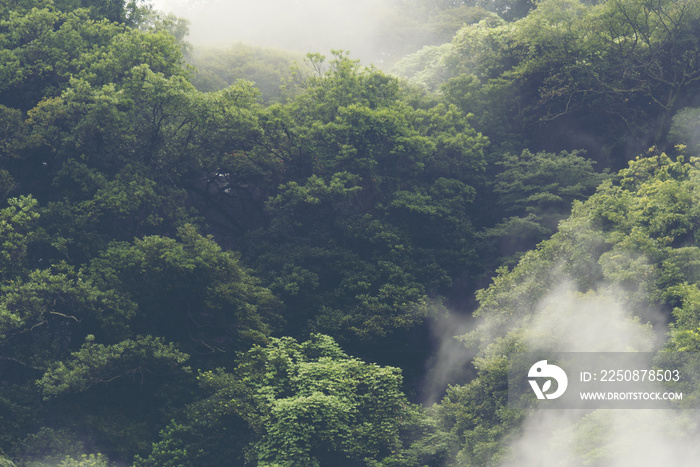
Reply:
x=187, y=290
x=49, y=312
x=85, y=460
x=425, y=68
x=635, y=237
x=311, y=405
x=509, y=10
x=102, y=140
x=39, y=314
x=16, y=234
x=44, y=48
x=151, y=120
x=604, y=76
x=131, y=156
x=128, y=12
x=372, y=217
x=360, y=202
x=544, y=182
x=476, y=413
x=48, y=446
x=220, y=68
x=99, y=364
x=176, y=27
x=536, y=191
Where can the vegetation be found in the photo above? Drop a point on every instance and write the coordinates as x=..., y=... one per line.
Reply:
x=239, y=265
x=603, y=76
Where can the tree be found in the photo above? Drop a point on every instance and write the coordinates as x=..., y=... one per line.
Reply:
x=102, y=139
x=128, y=12
x=509, y=10
x=45, y=47
x=629, y=248
x=602, y=76
x=294, y=404
x=120, y=382
x=220, y=68
x=534, y=192
x=113, y=332
x=368, y=202
x=187, y=290
x=132, y=155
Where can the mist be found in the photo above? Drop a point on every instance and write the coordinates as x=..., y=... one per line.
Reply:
x=566, y=320
x=297, y=25
x=451, y=360
x=606, y=438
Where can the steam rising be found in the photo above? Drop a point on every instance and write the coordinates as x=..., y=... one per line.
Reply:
x=449, y=364
x=569, y=321
x=606, y=438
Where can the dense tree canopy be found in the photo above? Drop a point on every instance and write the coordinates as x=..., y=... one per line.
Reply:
x=604, y=76
x=630, y=247
x=372, y=216
x=241, y=264
x=218, y=69
x=297, y=404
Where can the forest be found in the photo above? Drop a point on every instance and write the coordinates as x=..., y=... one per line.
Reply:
x=245, y=256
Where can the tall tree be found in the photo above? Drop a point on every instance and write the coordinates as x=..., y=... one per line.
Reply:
x=369, y=202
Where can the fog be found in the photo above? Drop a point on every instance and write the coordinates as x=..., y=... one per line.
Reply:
x=566, y=320
x=606, y=438
x=296, y=25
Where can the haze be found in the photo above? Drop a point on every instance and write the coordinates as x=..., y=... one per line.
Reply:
x=299, y=25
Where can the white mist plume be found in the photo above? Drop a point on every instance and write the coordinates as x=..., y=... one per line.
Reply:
x=568, y=321
x=448, y=365
x=606, y=438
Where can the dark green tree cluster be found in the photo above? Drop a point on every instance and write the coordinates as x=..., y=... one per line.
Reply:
x=603, y=76
x=112, y=297
x=297, y=404
x=368, y=215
